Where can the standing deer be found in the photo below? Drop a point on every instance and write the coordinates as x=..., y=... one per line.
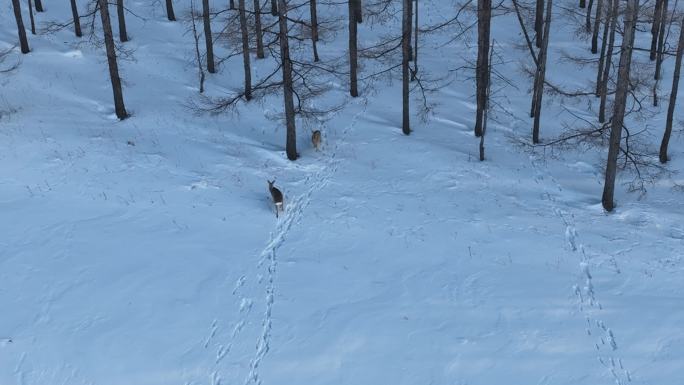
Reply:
x=277, y=197
x=316, y=139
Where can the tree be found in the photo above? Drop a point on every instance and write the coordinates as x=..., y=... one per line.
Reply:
x=655, y=28
x=539, y=22
x=207, y=37
x=414, y=72
x=198, y=55
x=588, y=18
x=484, y=15
x=353, y=51
x=358, y=11
x=77, y=19
x=121, y=16
x=604, y=46
x=486, y=106
x=245, y=49
x=274, y=7
x=597, y=25
x=111, y=60
x=288, y=89
x=23, y=40
x=620, y=103
x=314, y=28
x=541, y=74
x=257, y=29
x=39, y=6
x=169, y=10
x=660, y=50
x=33, y=22
x=231, y=4
x=405, y=58
x=603, y=91
x=673, y=94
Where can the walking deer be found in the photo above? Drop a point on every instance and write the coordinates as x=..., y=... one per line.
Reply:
x=277, y=197
x=316, y=139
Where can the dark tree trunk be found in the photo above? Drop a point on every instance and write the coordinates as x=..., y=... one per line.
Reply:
x=314, y=28
x=23, y=40
x=33, y=21
x=673, y=95
x=484, y=14
x=258, y=31
x=655, y=28
x=196, y=37
x=121, y=14
x=582, y=4
x=207, y=37
x=39, y=6
x=111, y=60
x=620, y=104
x=405, y=58
x=604, y=46
x=231, y=4
x=410, y=32
x=169, y=10
x=597, y=25
x=587, y=22
x=609, y=60
x=661, y=41
x=486, y=106
x=414, y=72
x=245, y=50
x=288, y=90
x=353, y=52
x=541, y=74
x=539, y=22
x=358, y=11
x=274, y=7
x=77, y=19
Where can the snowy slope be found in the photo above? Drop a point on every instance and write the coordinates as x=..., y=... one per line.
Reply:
x=147, y=251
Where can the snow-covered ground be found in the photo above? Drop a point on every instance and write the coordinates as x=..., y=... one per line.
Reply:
x=147, y=251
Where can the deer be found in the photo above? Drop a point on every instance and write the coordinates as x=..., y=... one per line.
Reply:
x=277, y=197
x=316, y=139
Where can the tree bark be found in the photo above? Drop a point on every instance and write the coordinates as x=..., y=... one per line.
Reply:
x=655, y=28
x=314, y=28
x=258, y=31
x=414, y=72
x=33, y=21
x=486, y=107
x=410, y=31
x=198, y=55
x=23, y=40
x=169, y=10
x=541, y=74
x=353, y=51
x=77, y=19
x=274, y=7
x=484, y=14
x=231, y=4
x=620, y=104
x=597, y=25
x=582, y=4
x=111, y=60
x=539, y=22
x=405, y=58
x=358, y=11
x=207, y=37
x=588, y=17
x=661, y=41
x=39, y=6
x=121, y=14
x=609, y=60
x=288, y=90
x=245, y=50
x=604, y=46
x=673, y=95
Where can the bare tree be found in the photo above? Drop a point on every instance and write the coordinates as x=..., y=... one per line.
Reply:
x=33, y=22
x=257, y=29
x=597, y=25
x=288, y=89
x=23, y=40
x=414, y=72
x=538, y=22
x=353, y=51
x=588, y=17
x=486, y=107
x=207, y=37
x=484, y=15
x=620, y=103
x=603, y=91
x=582, y=4
x=661, y=40
x=541, y=74
x=673, y=95
x=655, y=27
x=245, y=50
x=358, y=11
x=39, y=6
x=405, y=58
x=111, y=60
x=314, y=28
x=231, y=4
x=76, y=18
x=274, y=7
x=604, y=46
x=198, y=55
x=169, y=10
x=121, y=15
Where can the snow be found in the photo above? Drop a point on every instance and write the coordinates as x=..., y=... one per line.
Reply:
x=147, y=251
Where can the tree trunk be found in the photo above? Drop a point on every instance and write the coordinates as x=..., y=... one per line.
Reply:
x=661, y=41
x=196, y=37
x=207, y=37
x=23, y=40
x=410, y=31
x=486, y=106
x=655, y=28
x=597, y=25
x=620, y=104
x=33, y=21
x=582, y=4
x=288, y=90
x=358, y=11
x=414, y=72
x=484, y=14
x=314, y=28
x=77, y=19
x=258, y=31
x=604, y=46
x=169, y=10
x=231, y=4
x=111, y=60
x=245, y=50
x=274, y=7
x=588, y=17
x=603, y=92
x=541, y=70
x=353, y=52
x=405, y=58
x=39, y=6
x=121, y=14
x=673, y=95
x=539, y=22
